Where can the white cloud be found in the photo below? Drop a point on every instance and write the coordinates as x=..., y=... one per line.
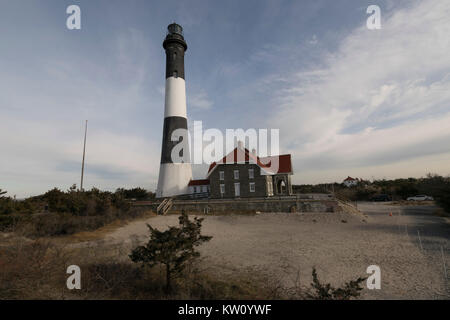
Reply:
x=43, y=155
x=382, y=97
x=42, y=123
x=380, y=100
x=313, y=41
x=199, y=100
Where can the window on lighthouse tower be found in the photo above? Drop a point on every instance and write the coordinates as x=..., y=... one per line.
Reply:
x=175, y=74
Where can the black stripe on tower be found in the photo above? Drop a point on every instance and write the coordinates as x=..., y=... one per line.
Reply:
x=175, y=47
x=170, y=125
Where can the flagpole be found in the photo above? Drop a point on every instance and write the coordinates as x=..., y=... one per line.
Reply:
x=84, y=153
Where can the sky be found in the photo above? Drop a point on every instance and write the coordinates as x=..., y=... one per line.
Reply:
x=348, y=101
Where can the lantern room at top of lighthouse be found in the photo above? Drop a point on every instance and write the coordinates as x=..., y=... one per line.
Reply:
x=175, y=28
x=174, y=35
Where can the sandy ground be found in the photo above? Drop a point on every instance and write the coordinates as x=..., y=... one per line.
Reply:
x=340, y=245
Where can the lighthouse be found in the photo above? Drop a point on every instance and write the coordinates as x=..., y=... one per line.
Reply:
x=175, y=170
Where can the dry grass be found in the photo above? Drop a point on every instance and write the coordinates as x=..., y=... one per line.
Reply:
x=96, y=234
x=130, y=281
x=36, y=269
x=345, y=207
x=101, y=232
x=73, y=227
x=27, y=269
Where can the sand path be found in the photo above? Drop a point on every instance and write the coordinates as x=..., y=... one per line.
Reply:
x=282, y=245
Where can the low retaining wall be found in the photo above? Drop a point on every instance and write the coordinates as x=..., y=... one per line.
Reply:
x=250, y=205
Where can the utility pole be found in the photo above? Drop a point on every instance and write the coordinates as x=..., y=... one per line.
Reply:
x=84, y=153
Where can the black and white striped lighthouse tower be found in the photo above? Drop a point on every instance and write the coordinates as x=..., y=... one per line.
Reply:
x=175, y=171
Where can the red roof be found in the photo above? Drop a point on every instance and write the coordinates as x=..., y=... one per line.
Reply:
x=271, y=164
x=201, y=182
x=349, y=179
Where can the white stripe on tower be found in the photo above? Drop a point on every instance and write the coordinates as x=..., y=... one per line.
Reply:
x=175, y=98
x=174, y=174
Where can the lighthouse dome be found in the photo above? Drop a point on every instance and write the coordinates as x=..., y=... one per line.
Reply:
x=174, y=35
x=175, y=29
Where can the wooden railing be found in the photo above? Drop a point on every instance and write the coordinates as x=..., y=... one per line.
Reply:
x=164, y=206
x=345, y=200
x=197, y=195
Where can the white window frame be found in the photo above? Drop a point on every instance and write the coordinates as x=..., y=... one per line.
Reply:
x=251, y=173
x=236, y=174
x=269, y=188
x=222, y=189
x=238, y=188
x=252, y=184
x=222, y=175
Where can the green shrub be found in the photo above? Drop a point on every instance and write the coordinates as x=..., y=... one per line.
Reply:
x=9, y=222
x=325, y=291
x=135, y=193
x=172, y=248
x=64, y=212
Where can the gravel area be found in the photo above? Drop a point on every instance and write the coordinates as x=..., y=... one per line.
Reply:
x=340, y=245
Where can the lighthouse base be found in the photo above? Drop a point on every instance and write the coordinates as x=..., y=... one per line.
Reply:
x=173, y=179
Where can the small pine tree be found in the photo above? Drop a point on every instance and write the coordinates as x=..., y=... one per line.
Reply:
x=324, y=291
x=172, y=248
